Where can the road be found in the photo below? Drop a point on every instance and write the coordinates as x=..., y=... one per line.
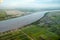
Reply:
x=21, y=21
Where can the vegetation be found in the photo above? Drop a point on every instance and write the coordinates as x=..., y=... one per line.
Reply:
x=39, y=33
x=48, y=28
x=14, y=35
x=3, y=15
x=9, y=14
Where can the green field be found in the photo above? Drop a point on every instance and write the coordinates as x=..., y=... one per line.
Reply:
x=34, y=32
x=14, y=35
x=3, y=15
x=39, y=33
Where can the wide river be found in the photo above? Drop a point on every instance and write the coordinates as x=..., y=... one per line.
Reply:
x=20, y=21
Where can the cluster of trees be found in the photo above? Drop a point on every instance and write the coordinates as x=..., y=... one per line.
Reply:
x=3, y=15
x=51, y=22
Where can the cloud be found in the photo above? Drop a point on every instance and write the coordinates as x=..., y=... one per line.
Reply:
x=44, y=0
x=16, y=3
x=29, y=3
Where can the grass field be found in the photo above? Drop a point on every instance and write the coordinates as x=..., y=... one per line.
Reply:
x=3, y=15
x=32, y=32
x=14, y=35
x=38, y=33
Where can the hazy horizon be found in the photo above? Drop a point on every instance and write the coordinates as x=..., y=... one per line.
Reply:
x=30, y=4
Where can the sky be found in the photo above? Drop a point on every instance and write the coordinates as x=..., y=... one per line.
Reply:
x=29, y=3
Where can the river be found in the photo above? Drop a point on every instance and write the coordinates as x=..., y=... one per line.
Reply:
x=20, y=21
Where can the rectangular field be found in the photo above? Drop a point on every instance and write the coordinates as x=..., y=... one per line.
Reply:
x=38, y=33
x=15, y=35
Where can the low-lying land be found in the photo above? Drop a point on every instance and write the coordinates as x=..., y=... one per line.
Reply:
x=47, y=28
x=8, y=14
